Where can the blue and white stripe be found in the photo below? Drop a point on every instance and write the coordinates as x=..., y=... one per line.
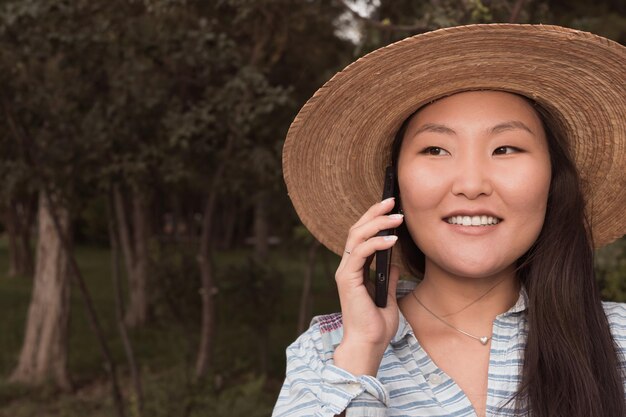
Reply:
x=408, y=383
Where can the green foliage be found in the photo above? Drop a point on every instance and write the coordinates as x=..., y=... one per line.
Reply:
x=168, y=393
x=611, y=270
x=235, y=110
x=604, y=17
x=177, y=283
x=146, y=94
x=247, y=398
x=172, y=394
x=92, y=222
x=479, y=12
x=48, y=69
x=253, y=289
x=302, y=234
x=610, y=25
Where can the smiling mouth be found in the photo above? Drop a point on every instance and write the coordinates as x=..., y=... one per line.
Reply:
x=473, y=220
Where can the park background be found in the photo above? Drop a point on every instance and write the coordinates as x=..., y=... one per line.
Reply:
x=151, y=263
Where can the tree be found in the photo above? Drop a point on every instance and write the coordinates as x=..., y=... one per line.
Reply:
x=44, y=352
x=43, y=43
x=126, y=119
x=278, y=46
x=207, y=136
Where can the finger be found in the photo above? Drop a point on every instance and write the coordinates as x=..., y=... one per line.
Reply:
x=352, y=270
x=352, y=266
x=375, y=210
x=367, y=230
x=357, y=235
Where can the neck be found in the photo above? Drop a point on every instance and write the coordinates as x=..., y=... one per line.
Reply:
x=459, y=298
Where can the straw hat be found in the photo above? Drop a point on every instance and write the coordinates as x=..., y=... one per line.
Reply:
x=339, y=144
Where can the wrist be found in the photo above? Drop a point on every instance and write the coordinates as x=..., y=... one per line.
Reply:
x=358, y=359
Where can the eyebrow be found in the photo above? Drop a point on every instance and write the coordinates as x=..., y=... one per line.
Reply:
x=500, y=127
x=510, y=125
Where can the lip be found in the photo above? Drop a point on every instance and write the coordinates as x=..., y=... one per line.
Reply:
x=471, y=213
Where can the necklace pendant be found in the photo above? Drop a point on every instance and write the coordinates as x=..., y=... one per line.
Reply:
x=484, y=340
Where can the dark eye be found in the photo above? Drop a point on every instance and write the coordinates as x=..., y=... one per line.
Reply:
x=435, y=151
x=504, y=150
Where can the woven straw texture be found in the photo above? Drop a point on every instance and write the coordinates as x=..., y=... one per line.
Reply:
x=340, y=142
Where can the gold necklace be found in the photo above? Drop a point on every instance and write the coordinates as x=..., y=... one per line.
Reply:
x=483, y=339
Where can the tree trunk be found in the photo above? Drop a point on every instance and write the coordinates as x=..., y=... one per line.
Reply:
x=261, y=251
x=261, y=227
x=205, y=258
x=306, y=298
x=134, y=242
x=517, y=8
x=139, y=304
x=18, y=216
x=119, y=310
x=44, y=352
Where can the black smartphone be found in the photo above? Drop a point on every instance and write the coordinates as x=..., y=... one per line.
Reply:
x=383, y=257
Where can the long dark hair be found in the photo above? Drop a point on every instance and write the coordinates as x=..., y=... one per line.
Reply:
x=571, y=366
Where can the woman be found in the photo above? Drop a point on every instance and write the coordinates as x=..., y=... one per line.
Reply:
x=508, y=143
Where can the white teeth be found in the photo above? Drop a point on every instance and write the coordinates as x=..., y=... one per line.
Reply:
x=473, y=220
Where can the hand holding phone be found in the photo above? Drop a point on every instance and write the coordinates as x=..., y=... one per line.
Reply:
x=383, y=258
x=368, y=328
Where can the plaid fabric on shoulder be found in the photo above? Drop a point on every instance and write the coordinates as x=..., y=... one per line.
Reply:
x=329, y=322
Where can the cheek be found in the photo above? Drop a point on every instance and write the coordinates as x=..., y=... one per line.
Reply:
x=421, y=187
x=527, y=192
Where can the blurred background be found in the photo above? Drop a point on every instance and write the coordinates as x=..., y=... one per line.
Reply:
x=151, y=263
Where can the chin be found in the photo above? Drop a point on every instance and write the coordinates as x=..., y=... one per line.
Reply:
x=480, y=268
x=477, y=274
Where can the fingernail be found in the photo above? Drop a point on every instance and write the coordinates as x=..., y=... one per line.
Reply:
x=396, y=216
x=391, y=237
x=387, y=200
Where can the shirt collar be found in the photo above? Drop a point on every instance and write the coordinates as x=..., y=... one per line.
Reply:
x=405, y=287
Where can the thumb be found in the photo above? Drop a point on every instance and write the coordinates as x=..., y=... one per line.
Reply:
x=394, y=276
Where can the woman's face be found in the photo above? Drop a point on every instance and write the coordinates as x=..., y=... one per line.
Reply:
x=474, y=175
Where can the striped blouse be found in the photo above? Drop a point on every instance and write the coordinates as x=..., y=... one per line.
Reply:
x=408, y=382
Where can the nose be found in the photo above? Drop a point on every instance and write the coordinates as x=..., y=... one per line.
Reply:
x=472, y=177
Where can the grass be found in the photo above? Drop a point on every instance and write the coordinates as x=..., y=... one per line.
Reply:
x=166, y=348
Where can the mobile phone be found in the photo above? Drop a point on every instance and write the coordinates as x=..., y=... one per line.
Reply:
x=383, y=257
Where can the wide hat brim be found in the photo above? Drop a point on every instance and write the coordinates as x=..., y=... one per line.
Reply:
x=339, y=144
